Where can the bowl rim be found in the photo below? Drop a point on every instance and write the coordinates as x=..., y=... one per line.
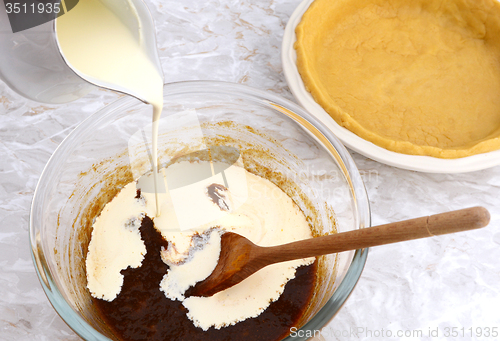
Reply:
x=419, y=163
x=76, y=322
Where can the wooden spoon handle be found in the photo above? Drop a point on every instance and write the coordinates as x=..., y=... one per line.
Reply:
x=443, y=223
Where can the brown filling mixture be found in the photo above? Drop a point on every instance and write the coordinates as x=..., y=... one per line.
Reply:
x=142, y=312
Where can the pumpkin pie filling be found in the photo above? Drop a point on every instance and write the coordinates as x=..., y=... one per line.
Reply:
x=419, y=77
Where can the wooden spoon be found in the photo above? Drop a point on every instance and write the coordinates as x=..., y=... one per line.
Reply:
x=239, y=257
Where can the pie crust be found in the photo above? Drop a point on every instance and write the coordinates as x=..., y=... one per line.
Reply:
x=417, y=77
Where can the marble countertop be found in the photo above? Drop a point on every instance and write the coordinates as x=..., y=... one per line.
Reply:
x=413, y=290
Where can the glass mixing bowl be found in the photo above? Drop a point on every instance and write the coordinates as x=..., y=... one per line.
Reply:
x=274, y=138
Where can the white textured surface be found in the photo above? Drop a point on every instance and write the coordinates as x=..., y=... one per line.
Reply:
x=451, y=281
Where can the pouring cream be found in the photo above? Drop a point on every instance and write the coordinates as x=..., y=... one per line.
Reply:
x=110, y=49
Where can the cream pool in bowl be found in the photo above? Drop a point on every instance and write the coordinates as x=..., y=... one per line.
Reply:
x=260, y=133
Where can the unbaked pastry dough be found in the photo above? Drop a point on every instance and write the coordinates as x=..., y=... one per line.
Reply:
x=417, y=77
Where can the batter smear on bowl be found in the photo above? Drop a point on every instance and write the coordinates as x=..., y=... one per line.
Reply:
x=139, y=266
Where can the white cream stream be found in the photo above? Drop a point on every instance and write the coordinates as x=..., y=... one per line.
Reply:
x=101, y=48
